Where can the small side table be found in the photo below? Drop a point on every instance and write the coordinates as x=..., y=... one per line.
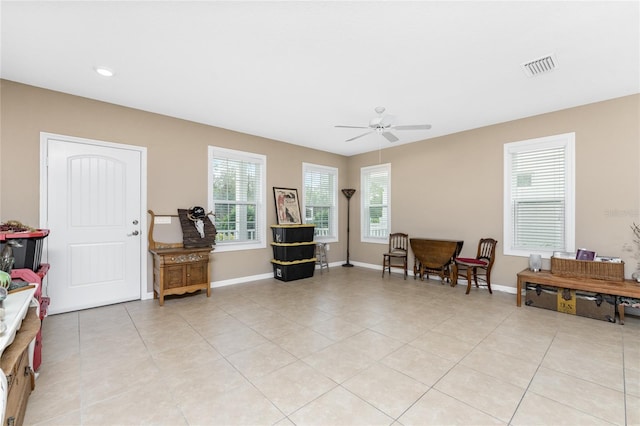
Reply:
x=179, y=271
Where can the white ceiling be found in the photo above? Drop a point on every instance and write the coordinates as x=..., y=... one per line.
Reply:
x=291, y=71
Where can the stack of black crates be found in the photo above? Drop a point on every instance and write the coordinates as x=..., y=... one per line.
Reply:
x=293, y=252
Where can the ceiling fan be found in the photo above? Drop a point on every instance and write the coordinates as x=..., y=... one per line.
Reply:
x=383, y=124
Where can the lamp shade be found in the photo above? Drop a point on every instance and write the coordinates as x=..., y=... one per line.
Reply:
x=348, y=192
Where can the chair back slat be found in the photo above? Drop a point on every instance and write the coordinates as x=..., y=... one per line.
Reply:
x=487, y=249
x=398, y=241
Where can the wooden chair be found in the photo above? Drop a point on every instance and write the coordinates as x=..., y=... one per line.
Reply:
x=396, y=256
x=478, y=267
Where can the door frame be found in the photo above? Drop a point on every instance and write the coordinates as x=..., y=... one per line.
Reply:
x=44, y=202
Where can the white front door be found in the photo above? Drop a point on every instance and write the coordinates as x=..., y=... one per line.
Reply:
x=94, y=210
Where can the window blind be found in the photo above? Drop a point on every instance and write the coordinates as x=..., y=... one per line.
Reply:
x=237, y=182
x=320, y=189
x=376, y=185
x=538, y=194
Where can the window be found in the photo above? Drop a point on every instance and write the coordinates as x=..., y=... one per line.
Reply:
x=539, y=196
x=319, y=200
x=375, y=182
x=237, y=182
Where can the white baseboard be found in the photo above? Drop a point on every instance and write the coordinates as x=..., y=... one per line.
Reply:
x=497, y=287
x=241, y=280
x=224, y=283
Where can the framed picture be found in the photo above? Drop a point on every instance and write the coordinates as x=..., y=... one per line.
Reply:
x=287, y=206
x=584, y=254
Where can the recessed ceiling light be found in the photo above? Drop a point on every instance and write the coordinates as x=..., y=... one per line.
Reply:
x=103, y=71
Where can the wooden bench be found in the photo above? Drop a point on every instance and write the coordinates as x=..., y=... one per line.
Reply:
x=626, y=288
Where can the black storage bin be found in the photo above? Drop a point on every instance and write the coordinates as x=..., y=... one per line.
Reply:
x=292, y=233
x=293, y=251
x=29, y=254
x=289, y=271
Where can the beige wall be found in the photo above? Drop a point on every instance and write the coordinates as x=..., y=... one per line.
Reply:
x=452, y=186
x=446, y=187
x=176, y=155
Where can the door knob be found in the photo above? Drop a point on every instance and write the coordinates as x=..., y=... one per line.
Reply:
x=134, y=233
x=135, y=222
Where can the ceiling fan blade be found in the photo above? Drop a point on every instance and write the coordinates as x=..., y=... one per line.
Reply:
x=413, y=127
x=364, y=134
x=387, y=120
x=390, y=137
x=353, y=127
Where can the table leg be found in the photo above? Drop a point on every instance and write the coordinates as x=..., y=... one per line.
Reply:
x=454, y=275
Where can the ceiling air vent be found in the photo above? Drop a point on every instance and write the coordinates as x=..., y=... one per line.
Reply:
x=540, y=66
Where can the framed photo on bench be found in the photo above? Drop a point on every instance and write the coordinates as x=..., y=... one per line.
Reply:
x=584, y=254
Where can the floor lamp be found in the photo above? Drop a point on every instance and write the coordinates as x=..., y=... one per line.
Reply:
x=348, y=193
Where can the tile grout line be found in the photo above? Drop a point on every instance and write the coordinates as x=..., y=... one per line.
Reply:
x=532, y=376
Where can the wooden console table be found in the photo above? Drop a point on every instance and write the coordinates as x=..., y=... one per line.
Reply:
x=179, y=270
x=628, y=288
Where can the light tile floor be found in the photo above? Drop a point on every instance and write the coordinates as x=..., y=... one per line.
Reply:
x=345, y=347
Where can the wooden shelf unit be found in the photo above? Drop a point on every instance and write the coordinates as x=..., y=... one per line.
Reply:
x=22, y=325
x=15, y=364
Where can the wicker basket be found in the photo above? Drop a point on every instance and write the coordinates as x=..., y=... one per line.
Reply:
x=608, y=271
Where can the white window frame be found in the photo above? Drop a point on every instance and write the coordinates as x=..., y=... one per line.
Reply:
x=261, y=192
x=567, y=141
x=365, y=235
x=333, y=192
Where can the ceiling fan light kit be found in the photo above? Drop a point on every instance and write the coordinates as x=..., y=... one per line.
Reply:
x=383, y=124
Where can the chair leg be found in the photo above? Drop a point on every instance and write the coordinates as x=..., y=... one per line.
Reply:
x=469, y=271
x=488, y=276
x=406, y=267
x=384, y=264
x=454, y=275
